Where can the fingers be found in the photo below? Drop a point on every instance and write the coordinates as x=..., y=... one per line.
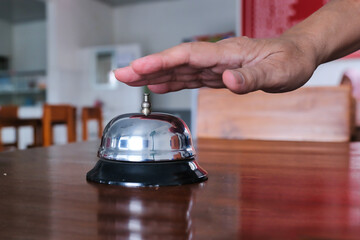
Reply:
x=266, y=76
x=180, y=74
x=237, y=82
x=164, y=79
x=174, y=86
x=126, y=75
x=196, y=54
x=170, y=58
x=188, y=64
x=247, y=79
x=144, y=68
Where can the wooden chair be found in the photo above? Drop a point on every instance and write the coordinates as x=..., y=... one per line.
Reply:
x=307, y=114
x=58, y=114
x=7, y=114
x=352, y=80
x=91, y=113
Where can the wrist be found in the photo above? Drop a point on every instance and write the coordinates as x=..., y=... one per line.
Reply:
x=310, y=47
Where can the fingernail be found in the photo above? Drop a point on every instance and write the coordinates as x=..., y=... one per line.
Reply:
x=239, y=77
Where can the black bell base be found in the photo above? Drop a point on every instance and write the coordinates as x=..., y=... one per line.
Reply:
x=146, y=174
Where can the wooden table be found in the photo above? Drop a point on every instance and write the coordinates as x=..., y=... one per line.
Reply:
x=256, y=190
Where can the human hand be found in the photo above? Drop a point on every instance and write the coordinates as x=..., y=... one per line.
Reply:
x=240, y=64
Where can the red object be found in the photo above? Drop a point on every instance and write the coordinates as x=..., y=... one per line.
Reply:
x=353, y=55
x=266, y=19
x=263, y=19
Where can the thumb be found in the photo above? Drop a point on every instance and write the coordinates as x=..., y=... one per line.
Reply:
x=245, y=80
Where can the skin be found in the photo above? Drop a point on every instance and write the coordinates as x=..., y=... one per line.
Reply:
x=244, y=65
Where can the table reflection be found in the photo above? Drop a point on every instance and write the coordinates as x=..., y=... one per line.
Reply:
x=145, y=213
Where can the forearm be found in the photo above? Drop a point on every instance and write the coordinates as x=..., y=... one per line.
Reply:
x=330, y=33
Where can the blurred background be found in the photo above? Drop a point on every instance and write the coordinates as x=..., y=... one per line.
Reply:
x=63, y=51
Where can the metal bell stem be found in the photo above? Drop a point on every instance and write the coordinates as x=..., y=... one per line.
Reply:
x=146, y=105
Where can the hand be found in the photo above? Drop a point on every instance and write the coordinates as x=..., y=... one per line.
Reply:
x=240, y=64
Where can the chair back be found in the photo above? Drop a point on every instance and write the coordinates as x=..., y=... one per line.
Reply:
x=9, y=112
x=91, y=113
x=307, y=114
x=58, y=114
x=6, y=114
x=352, y=80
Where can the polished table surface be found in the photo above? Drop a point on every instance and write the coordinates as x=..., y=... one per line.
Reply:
x=256, y=190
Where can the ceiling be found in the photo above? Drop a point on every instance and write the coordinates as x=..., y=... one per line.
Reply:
x=127, y=2
x=16, y=11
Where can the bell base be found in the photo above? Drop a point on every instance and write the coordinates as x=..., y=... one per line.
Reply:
x=147, y=174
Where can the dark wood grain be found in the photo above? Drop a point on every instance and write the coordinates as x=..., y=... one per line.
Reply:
x=256, y=190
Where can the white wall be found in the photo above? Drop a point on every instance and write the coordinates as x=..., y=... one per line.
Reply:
x=25, y=44
x=6, y=38
x=73, y=27
x=163, y=24
x=331, y=73
x=160, y=25
x=29, y=46
x=118, y=97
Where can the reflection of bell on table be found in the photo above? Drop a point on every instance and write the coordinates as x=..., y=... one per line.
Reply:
x=149, y=149
x=145, y=213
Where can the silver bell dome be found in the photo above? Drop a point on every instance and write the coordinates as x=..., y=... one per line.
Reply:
x=146, y=138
